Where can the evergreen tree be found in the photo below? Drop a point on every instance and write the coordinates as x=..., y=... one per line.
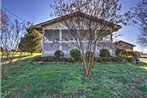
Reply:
x=31, y=42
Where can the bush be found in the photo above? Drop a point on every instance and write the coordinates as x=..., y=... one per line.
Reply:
x=132, y=54
x=44, y=59
x=71, y=60
x=118, y=51
x=59, y=54
x=64, y=59
x=75, y=53
x=117, y=59
x=103, y=59
x=50, y=58
x=114, y=59
x=38, y=58
x=106, y=59
x=128, y=59
x=104, y=53
x=99, y=59
x=138, y=53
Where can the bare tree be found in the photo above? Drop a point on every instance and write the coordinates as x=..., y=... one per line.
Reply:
x=3, y=27
x=139, y=14
x=11, y=32
x=96, y=17
x=10, y=37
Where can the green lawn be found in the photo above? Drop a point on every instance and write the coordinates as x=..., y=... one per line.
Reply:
x=66, y=81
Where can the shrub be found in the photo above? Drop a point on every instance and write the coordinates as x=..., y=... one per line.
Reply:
x=59, y=54
x=75, y=53
x=106, y=59
x=103, y=59
x=138, y=53
x=123, y=54
x=104, y=53
x=129, y=54
x=116, y=59
x=71, y=60
x=38, y=58
x=99, y=59
x=128, y=59
x=132, y=54
x=118, y=51
x=45, y=59
x=65, y=59
x=50, y=58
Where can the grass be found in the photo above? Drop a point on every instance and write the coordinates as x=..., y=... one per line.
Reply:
x=66, y=81
x=17, y=56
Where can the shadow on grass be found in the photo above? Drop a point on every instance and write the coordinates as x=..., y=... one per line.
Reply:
x=9, y=64
x=12, y=58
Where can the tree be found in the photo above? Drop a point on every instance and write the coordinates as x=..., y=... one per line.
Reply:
x=104, y=10
x=4, y=26
x=31, y=42
x=11, y=32
x=139, y=14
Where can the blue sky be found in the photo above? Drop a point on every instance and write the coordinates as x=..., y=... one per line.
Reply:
x=37, y=11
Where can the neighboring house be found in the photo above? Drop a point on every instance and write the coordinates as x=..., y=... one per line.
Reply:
x=54, y=29
x=123, y=45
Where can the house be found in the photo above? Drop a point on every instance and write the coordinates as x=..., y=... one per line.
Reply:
x=55, y=29
x=123, y=45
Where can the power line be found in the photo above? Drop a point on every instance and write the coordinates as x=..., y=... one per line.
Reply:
x=14, y=14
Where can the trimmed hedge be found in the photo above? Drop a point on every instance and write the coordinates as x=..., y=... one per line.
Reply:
x=75, y=53
x=104, y=59
x=104, y=53
x=59, y=54
x=71, y=60
x=43, y=59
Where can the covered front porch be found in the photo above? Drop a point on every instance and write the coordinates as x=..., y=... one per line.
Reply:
x=61, y=39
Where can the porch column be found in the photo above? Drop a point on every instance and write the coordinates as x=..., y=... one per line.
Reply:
x=43, y=31
x=96, y=43
x=111, y=35
x=112, y=52
x=60, y=39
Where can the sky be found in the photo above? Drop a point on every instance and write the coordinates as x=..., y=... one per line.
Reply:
x=37, y=11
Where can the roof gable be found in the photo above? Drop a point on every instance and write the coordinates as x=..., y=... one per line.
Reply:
x=76, y=14
x=124, y=42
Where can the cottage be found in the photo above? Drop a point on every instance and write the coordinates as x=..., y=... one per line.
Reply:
x=55, y=35
x=123, y=45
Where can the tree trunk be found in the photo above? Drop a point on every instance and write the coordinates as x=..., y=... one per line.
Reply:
x=31, y=53
x=87, y=74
